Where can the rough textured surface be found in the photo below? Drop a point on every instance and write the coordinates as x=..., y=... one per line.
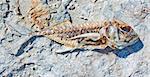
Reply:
x=34, y=56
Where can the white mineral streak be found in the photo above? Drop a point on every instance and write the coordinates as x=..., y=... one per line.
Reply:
x=26, y=56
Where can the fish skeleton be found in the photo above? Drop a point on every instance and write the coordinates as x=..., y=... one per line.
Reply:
x=115, y=34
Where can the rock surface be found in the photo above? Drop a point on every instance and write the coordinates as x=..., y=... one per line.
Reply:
x=22, y=55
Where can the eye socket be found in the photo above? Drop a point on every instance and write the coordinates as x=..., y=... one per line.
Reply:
x=126, y=28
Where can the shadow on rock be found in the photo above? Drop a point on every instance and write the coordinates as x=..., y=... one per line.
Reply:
x=107, y=50
x=25, y=44
x=72, y=51
x=125, y=52
x=122, y=53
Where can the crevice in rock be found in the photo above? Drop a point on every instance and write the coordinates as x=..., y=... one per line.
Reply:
x=2, y=71
x=24, y=66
